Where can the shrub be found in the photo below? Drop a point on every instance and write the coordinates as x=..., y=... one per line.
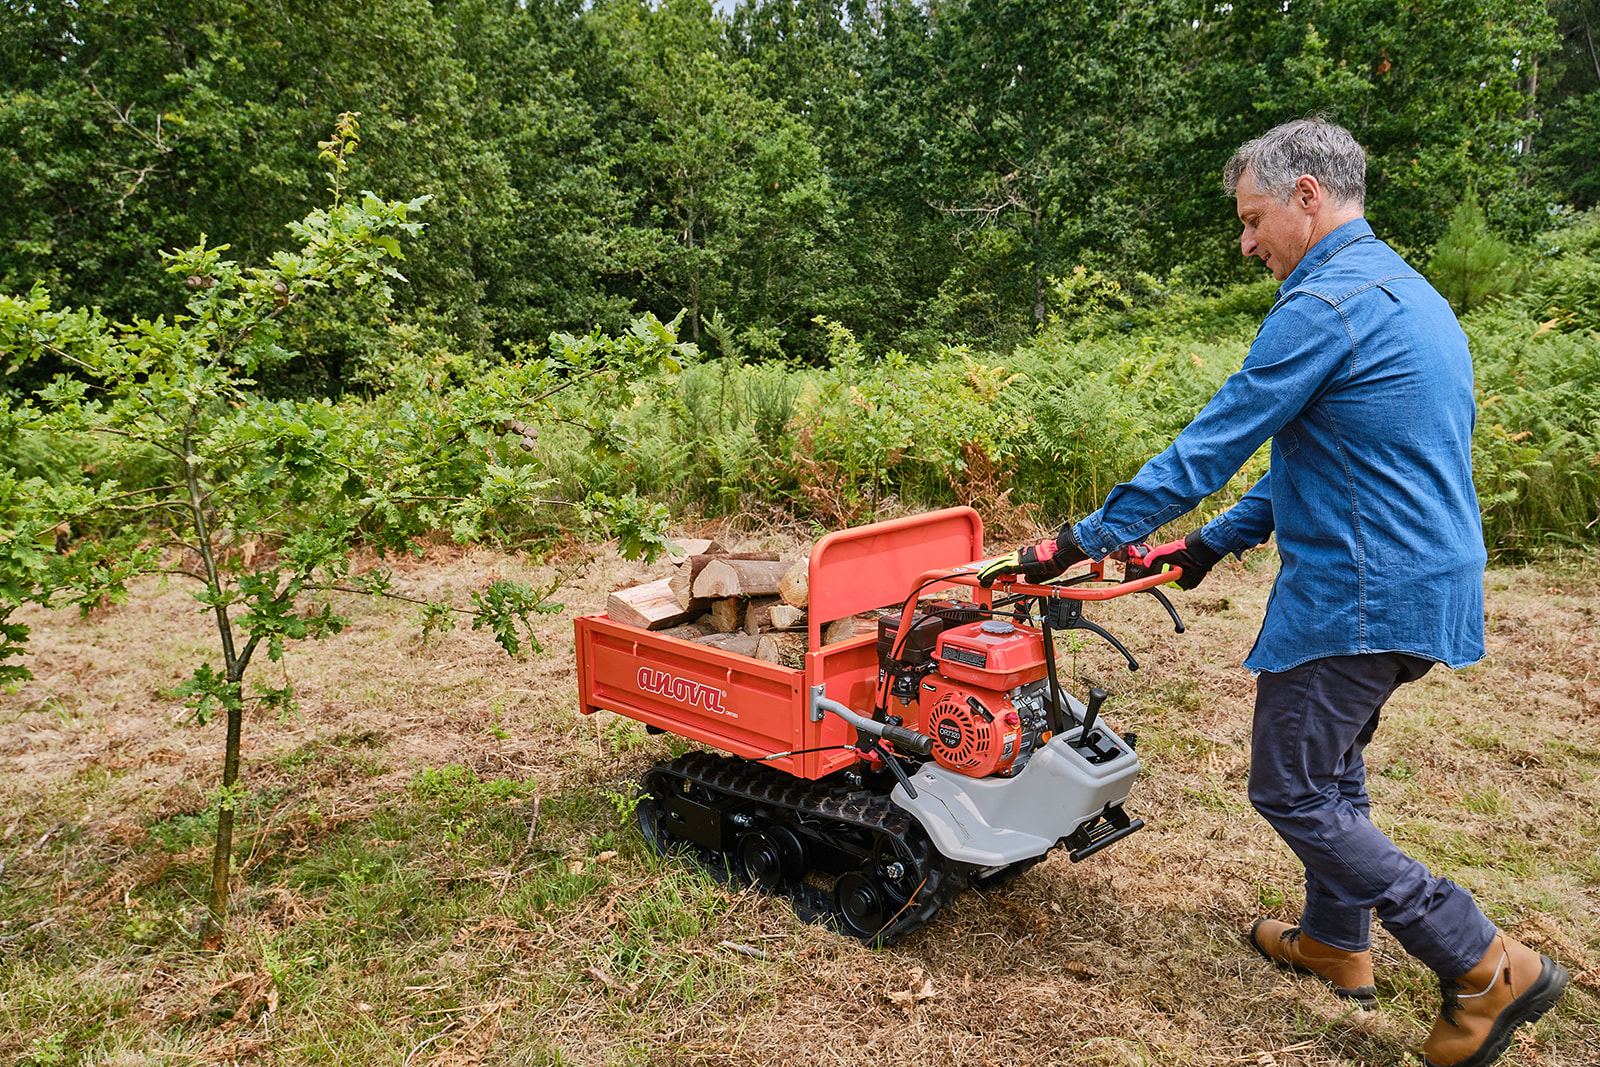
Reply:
x=1536, y=451
x=1041, y=435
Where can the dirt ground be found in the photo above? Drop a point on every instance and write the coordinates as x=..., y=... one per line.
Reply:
x=1491, y=774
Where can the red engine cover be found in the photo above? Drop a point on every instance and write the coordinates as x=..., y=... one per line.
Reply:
x=975, y=731
x=995, y=654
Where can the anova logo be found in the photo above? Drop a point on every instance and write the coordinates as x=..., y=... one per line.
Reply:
x=683, y=690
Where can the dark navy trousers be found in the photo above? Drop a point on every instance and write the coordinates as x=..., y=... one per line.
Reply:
x=1308, y=780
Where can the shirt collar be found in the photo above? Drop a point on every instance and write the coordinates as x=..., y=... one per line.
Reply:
x=1324, y=250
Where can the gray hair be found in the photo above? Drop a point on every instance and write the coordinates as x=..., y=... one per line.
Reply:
x=1314, y=146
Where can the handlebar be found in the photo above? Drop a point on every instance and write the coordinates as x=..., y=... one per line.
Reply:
x=1060, y=608
x=1067, y=594
x=1068, y=586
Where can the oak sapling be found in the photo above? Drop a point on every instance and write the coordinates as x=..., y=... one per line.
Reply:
x=259, y=502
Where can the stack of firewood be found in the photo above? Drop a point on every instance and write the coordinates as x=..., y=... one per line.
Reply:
x=748, y=603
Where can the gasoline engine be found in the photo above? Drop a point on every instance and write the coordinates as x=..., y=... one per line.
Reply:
x=981, y=686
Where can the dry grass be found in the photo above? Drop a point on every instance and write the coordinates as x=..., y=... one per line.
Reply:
x=436, y=870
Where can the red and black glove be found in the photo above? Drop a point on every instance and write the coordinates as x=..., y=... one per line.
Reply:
x=1036, y=563
x=1192, y=554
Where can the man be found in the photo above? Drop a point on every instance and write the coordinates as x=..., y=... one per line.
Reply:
x=1361, y=378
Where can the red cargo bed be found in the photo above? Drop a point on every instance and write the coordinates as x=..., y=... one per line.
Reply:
x=753, y=708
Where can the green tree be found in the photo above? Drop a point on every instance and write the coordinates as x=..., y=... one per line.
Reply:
x=545, y=91
x=1567, y=148
x=731, y=204
x=1441, y=93
x=258, y=502
x=137, y=125
x=1051, y=107
x=864, y=77
x=1470, y=264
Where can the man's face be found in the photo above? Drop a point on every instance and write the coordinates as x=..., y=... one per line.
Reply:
x=1277, y=233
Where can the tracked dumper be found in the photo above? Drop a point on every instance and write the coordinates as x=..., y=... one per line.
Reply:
x=898, y=767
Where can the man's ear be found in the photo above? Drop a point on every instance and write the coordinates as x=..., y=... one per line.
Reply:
x=1308, y=193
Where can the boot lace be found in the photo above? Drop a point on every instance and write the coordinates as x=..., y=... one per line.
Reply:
x=1450, y=989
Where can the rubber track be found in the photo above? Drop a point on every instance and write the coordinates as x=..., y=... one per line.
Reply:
x=940, y=879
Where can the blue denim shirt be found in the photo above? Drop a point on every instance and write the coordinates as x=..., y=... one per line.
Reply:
x=1361, y=378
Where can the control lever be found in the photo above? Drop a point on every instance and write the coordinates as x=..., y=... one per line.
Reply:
x=1177, y=623
x=1056, y=717
x=1096, y=746
x=1097, y=696
x=1065, y=613
x=1134, y=568
x=894, y=766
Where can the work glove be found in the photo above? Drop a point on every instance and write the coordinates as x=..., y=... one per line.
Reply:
x=1036, y=563
x=1192, y=554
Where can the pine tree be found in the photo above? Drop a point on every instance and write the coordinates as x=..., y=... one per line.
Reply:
x=1469, y=263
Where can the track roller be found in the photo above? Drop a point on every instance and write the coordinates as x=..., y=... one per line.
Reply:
x=772, y=857
x=864, y=904
x=746, y=823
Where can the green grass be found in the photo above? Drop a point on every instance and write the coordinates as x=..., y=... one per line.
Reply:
x=501, y=905
x=384, y=900
x=1487, y=801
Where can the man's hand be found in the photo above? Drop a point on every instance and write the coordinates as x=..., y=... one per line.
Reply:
x=1036, y=563
x=1192, y=554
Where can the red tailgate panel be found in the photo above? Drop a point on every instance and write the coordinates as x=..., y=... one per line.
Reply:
x=742, y=705
x=873, y=566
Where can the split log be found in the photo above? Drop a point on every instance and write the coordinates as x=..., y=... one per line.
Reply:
x=739, y=577
x=795, y=586
x=792, y=649
x=740, y=644
x=699, y=546
x=700, y=559
x=727, y=615
x=786, y=616
x=688, y=631
x=853, y=626
x=758, y=613
x=679, y=584
x=756, y=646
x=689, y=569
x=649, y=607
x=839, y=630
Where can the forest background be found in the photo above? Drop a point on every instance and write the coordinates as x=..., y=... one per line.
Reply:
x=1004, y=214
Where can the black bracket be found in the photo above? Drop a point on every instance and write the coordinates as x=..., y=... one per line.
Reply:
x=1107, y=828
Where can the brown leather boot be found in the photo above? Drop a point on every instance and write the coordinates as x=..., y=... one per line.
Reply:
x=1510, y=986
x=1350, y=973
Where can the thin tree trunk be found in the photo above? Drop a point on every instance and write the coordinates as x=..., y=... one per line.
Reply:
x=1039, y=308
x=222, y=853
